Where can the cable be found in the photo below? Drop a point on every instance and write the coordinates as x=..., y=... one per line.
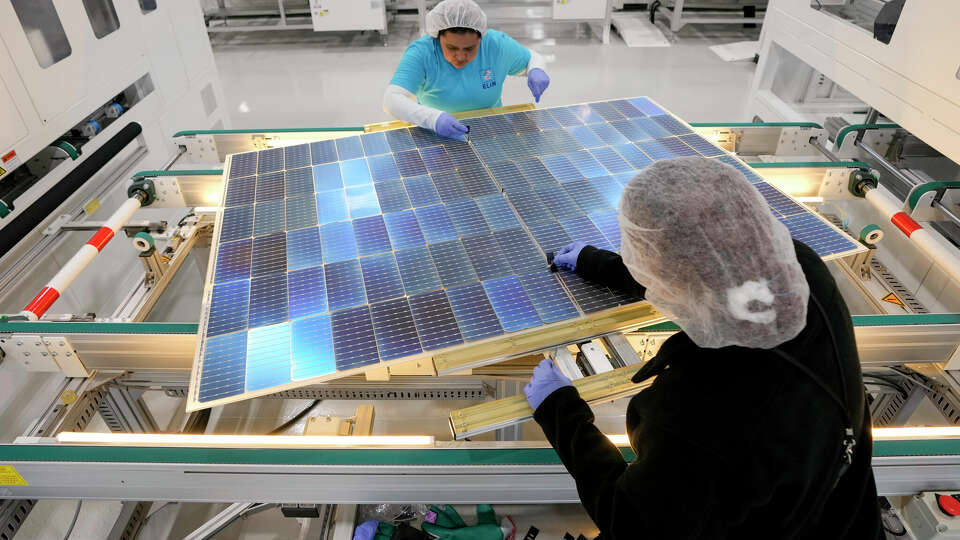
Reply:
x=283, y=427
x=73, y=523
x=881, y=382
x=819, y=5
x=185, y=218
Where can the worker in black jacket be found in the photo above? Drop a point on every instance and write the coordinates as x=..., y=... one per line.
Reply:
x=756, y=425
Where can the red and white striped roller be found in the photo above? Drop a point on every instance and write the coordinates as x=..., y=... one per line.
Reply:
x=65, y=277
x=943, y=255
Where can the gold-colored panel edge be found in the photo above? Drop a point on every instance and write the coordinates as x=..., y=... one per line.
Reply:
x=398, y=124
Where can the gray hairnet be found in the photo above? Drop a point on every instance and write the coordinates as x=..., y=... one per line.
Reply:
x=712, y=256
x=456, y=14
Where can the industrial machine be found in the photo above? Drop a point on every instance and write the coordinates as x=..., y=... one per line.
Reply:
x=103, y=280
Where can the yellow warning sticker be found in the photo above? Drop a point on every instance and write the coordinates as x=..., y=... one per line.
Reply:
x=892, y=298
x=10, y=477
x=91, y=207
x=2, y=171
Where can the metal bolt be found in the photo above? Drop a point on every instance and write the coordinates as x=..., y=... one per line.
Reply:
x=53, y=354
x=19, y=344
x=941, y=528
x=69, y=354
x=61, y=344
x=43, y=354
x=37, y=344
x=26, y=354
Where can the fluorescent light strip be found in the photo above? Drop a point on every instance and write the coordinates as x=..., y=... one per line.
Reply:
x=934, y=432
x=243, y=441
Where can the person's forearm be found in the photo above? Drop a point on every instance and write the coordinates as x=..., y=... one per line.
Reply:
x=537, y=61
x=607, y=268
x=402, y=105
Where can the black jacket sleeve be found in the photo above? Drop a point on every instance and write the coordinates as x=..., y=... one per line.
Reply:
x=607, y=268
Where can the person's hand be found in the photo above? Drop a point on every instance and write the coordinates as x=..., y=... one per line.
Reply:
x=448, y=126
x=450, y=526
x=546, y=379
x=538, y=81
x=373, y=530
x=567, y=257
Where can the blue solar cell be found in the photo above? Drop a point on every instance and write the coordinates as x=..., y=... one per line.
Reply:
x=648, y=107
x=656, y=150
x=611, y=160
x=240, y=191
x=461, y=154
x=356, y=172
x=609, y=226
x=349, y=148
x=538, y=143
x=384, y=168
x=308, y=292
x=624, y=178
x=701, y=145
x=403, y=230
x=609, y=134
x=395, y=330
x=422, y=191
x=485, y=255
x=270, y=160
x=588, y=166
x=269, y=254
x=337, y=241
x=301, y=212
x=522, y=122
x=270, y=186
x=354, y=342
x=426, y=137
x=565, y=116
x=243, y=165
x=508, y=176
x=671, y=124
x=400, y=140
x=436, y=159
x=435, y=223
x=784, y=205
x=550, y=235
x=607, y=111
x=331, y=207
x=520, y=250
x=233, y=261
x=224, y=366
x=631, y=130
x=381, y=278
x=633, y=155
x=312, y=348
x=297, y=156
x=327, y=177
x=362, y=201
x=392, y=196
x=586, y=113
x=323, y=152
x=477, y=182
x=529, y=205
x=268, y=217
x=678, y=147
x=582, y=229
x=586, y=196
x=449, y=185
x=410, y=163
x=609, y=189
x=589, y=295
x=374, y=144
x=237, y=223
x=652, y=128
x=473, y=312
x=417, y=270
x=489, y=151
x=229, y=305
x=747, y=171
x=560, y=204
x=488, y=126
x=453, y=264
x=434, y=319
x=372, y=237
x=299, y=182
x=467, y=218
x=547, y=296
x=816, y=234
x=514, y=147
x=543, y=119
x=303, y=248
x=586, y=137
x=536, y=173
x=561, y=141
x=511, y=304
x=627, y=109
x=268, y=300
x=497, y=212
x=561, y=168
x=344, y=285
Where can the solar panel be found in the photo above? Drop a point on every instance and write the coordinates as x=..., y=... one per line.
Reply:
x=335, y=256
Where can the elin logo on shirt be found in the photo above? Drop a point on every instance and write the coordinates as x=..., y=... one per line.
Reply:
x=486, y=77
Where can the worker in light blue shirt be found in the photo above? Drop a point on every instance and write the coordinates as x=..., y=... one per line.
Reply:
x=458, y=66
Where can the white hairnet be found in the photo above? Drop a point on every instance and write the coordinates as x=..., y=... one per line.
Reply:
x=712, y=256
x=456, y=14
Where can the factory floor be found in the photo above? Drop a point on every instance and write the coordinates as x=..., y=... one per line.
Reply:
x=303, y=79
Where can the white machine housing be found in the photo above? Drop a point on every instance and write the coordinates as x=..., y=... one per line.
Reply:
x=331, y=15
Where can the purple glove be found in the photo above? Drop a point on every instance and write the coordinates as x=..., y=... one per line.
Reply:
x=567, y=257
x=448, y=126
x=546, y=378
x=538, y=81
x=366, y=530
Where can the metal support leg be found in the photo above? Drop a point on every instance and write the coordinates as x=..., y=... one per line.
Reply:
x=224, y=519
x=511, y=432
x=422, y=14
x=607, y=21
x=13, y=513
x=124, y=411
x=622, y=353
x=676, y=16
x=283, y=14
x=132, y=517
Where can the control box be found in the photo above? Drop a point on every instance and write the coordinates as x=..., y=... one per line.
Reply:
x=934, y=515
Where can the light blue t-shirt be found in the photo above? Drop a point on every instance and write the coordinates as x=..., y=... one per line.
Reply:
x=424, y=72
